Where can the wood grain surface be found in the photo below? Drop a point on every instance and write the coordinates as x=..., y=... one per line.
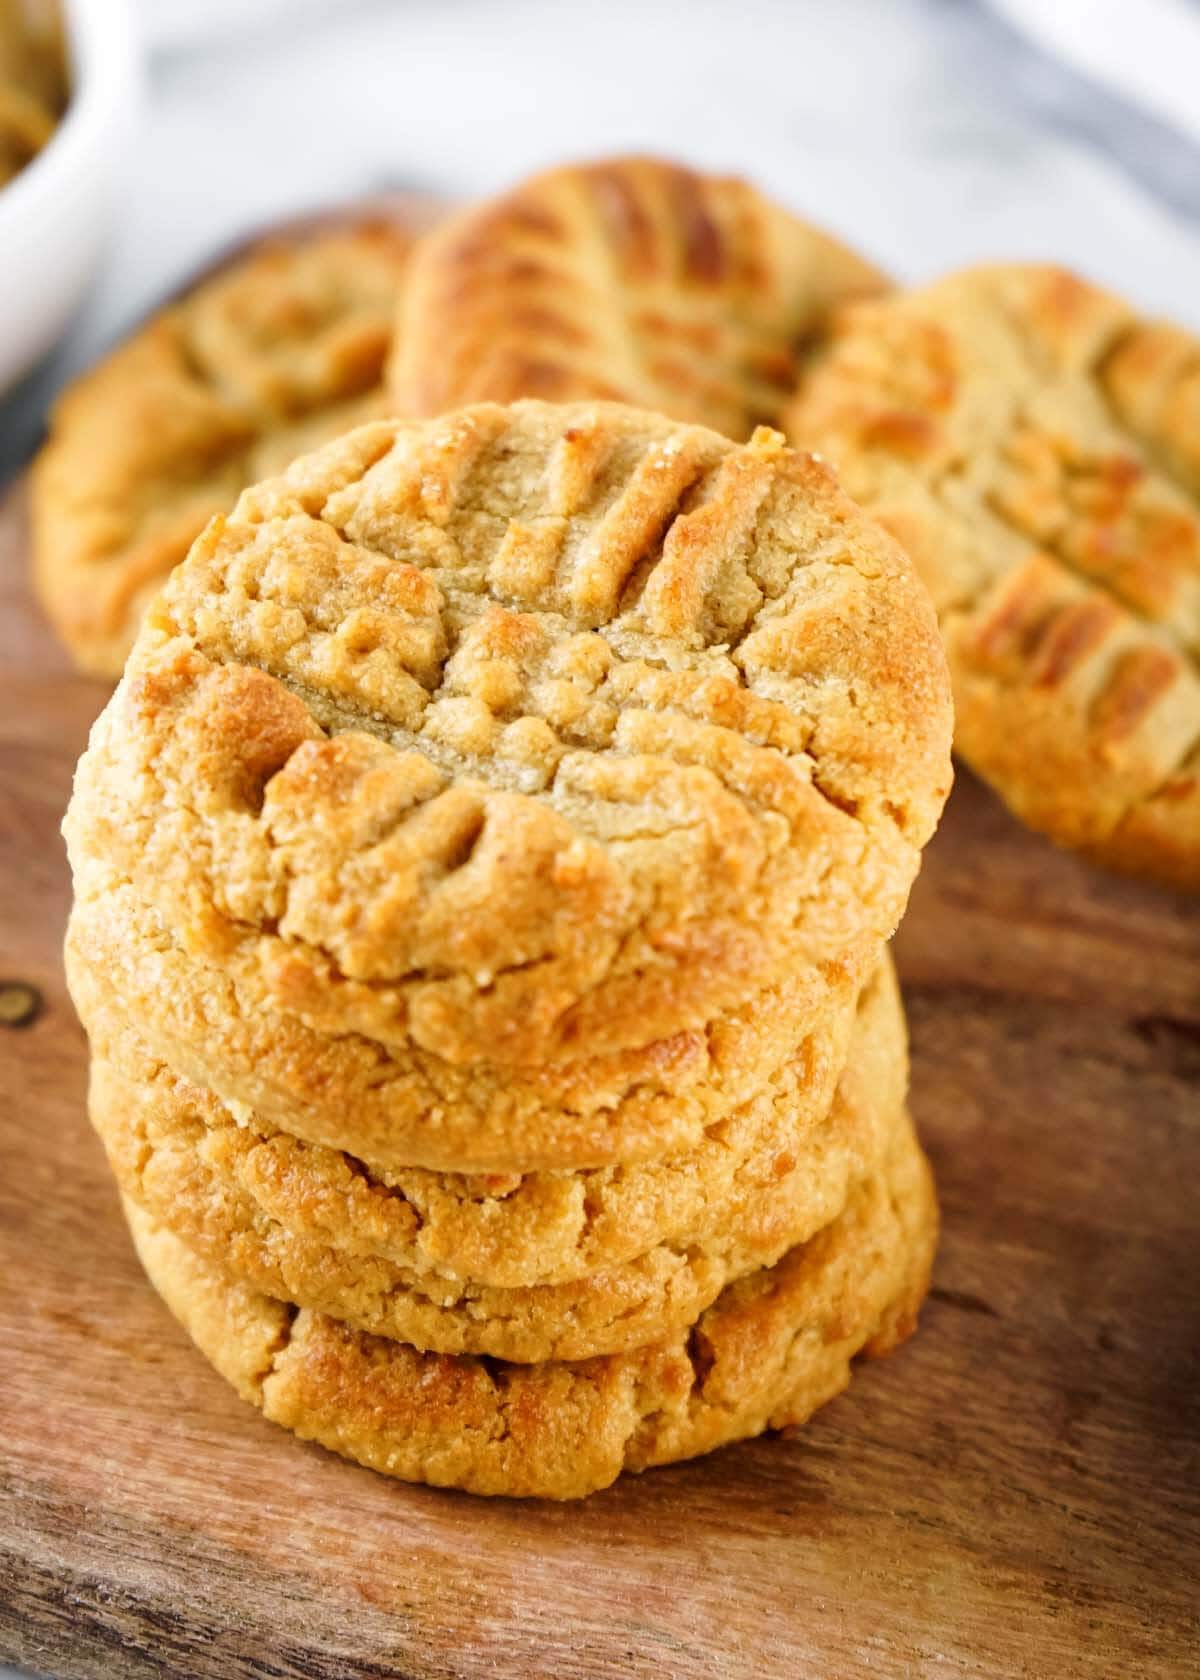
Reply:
x=1016, y=1493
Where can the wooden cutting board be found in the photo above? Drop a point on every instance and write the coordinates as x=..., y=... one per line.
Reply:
x=1016, y=1493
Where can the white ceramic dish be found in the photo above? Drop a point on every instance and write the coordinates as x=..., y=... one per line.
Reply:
x=54, y=215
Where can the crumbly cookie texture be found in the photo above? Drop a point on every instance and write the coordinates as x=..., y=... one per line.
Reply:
x=794, y=1178
x=770, y=1350
x=1036, y=448
x=274, y=355
x=632, y=279
x=404, y=1107
x=538, y=731
x=507, y=1228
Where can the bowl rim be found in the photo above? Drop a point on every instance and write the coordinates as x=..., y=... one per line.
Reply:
x=100, y=44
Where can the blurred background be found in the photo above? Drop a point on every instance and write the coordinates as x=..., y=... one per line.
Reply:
x=928, y=132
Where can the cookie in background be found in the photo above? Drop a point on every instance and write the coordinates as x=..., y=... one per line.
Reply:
x=631, y=278
x=1035, y=445
x=274, y=354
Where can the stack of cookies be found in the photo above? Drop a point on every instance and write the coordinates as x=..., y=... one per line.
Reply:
x=483, y=876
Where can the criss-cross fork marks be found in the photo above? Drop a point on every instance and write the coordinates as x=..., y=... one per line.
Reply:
x=255, y=365
x=633, y=608
x=711, y=729
x=630, y=279
x=1106, y=610
x=301, y=324
x=1036, y=447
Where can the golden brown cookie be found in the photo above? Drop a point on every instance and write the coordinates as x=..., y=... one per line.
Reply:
x=632, y=279
x=506, y=1228
x=405, y=1107
x=1036, y=447
x=272, y=356
x=771, y=1349
x=537, y=733
x=796, y=1171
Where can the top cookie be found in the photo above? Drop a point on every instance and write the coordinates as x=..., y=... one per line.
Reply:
x=1036, y=447
x=267, y=359
x=526, y=733
x=631, y=279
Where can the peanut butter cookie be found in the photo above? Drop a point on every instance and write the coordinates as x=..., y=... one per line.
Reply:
x=270, y=357
x=632, y=279
x=404, y=1107
x=796, y=1170
x=770, y=1350
x=534, y=733
x=1036, y=447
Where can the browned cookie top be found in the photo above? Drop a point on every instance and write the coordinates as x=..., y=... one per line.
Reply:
x=270, y=357
x=633, y=279
x=525, y=732
x=1036, y=447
